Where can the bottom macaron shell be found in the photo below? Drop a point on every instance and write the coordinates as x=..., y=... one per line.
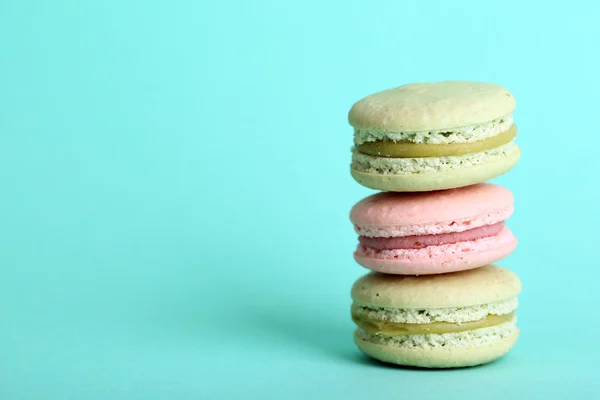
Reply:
x=441, y=259
x=439, y=357
x=438, y=180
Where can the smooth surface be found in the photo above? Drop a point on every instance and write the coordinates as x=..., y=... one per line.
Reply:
x=483, y=285
x=473, y=206
x=424, y=106
x=176, y=189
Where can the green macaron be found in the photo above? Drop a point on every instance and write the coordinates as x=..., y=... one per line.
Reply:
x=432, y=136
x=450, y=320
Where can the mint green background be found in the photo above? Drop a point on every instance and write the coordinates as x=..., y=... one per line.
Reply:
x=175, y=193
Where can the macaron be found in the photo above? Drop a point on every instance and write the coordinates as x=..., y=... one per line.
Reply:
x=438, y=321
x=433, y=136
x=433, y=232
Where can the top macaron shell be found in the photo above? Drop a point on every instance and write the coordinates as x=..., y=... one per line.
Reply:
x=388, y=214
x=432, y=106
x=432, y=218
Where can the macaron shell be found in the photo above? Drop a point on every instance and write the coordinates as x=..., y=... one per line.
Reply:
x=439, y=357
x=432, y=105
x=438, y=180
x=389, y=209
x=442, y=259
x=488, y=284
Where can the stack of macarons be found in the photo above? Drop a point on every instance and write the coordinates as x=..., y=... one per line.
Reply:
x=430, y=236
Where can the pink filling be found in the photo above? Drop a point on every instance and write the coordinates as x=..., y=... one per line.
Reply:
x=422, y=241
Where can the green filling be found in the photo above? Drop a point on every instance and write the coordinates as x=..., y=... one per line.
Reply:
x=393, y=149
x=388, y=328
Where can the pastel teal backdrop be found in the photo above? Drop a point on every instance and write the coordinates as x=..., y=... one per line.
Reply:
x=175, y=193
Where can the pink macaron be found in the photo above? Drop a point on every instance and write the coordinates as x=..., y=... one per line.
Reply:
x=434, y=232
